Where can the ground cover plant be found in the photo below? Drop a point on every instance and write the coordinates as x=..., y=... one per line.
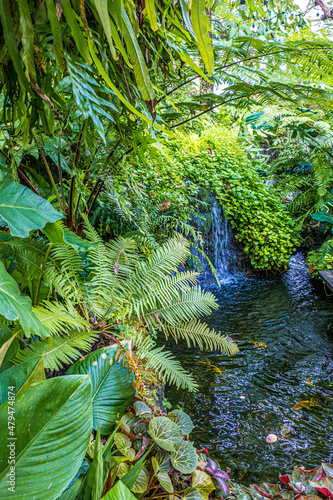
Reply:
x=105, y=142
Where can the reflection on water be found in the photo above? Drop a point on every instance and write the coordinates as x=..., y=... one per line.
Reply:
x=281, y=382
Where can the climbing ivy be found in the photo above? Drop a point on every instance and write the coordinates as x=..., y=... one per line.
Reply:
x=261, y=222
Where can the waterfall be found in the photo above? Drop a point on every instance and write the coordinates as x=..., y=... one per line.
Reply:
x=226, y=255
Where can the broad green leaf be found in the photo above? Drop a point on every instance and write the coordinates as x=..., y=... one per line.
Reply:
x=328, y=468
x=9, y=347
x=59, y=235
x=142, y=481
x=203, y=482
x=15, y=306
x=192, y=494
x=93, y=483
x=150, y=6
x=183, y=421
x=184, y=458
x=201, y=28
x=322, y=217
x=124, y=445
x=49, y=449
x=23, y=210
x=112, y=386
x=155, y=465
x=165, y=433
x=119, y=492
x=163, y=460
x=21, y=377
x=142, y=409
x=165, y=481
x=134, y=472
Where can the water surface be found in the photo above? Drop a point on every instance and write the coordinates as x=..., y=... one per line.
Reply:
x=281, y=382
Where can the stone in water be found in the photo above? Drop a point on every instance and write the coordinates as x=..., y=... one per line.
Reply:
x=271, y=438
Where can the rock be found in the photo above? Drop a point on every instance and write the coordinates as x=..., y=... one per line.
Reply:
x=271, y=438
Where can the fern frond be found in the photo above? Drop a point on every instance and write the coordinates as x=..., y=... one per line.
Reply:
x=58, y=319
x=186, y=306
x=162, y=261
x=161, y=291
x=200, y=334
x=165, y=363
x=58, y=351
x=122, y=251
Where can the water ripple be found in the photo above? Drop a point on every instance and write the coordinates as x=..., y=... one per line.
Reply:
x=281, y=382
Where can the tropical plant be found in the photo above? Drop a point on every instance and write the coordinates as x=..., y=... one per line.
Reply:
x=312, y=484
x=151, y=455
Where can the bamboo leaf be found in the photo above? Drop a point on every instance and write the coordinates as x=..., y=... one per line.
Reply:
x=56, y=33
x=150, y=6
x=11, y=43
x=118, y=93
x=76, y=30
x=136, y=57
x=184, y=5
x=27, y=40
x=103, y=12
x=201, y=27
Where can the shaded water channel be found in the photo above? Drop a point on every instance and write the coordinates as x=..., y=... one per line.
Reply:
x=281, y=382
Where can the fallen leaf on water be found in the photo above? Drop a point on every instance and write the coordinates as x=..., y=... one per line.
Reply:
x=305, y=404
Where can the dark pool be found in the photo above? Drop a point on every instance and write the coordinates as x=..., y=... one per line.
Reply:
x=281, y=382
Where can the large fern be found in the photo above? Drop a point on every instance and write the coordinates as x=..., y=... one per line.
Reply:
x=165, y=363
x=200, y=334
x=57, y=351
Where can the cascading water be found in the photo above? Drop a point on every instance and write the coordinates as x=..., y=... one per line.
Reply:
x=225, y=252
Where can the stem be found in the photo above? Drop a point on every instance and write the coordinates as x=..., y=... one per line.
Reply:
x=48, y=170
x=42, y=268
x=60, y=176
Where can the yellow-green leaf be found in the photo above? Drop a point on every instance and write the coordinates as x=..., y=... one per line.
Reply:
x=200, y=27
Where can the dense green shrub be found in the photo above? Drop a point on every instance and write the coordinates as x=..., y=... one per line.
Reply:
x=262, y=224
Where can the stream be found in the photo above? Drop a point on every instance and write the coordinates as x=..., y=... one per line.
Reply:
x=281, y=381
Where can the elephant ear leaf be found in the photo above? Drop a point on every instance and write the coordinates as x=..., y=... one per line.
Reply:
x=14, y=306
x=201, y=30
x=49, y=449
x=23, y=210
x=21, y=377
x=112, y=386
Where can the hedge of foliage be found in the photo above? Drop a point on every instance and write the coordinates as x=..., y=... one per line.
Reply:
x=261, y=222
